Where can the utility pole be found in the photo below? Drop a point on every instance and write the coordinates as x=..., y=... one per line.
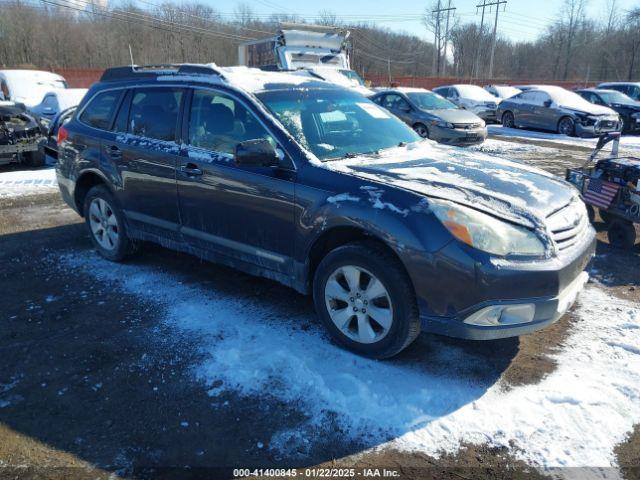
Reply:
x=476, y=64
x=436, y=50
x=495, y=30
x=438, y=37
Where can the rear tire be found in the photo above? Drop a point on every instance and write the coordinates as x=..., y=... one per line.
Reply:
x=567, y=126
x=106, y=225
x=334, y=294
x=508, y=120
x=622, y=234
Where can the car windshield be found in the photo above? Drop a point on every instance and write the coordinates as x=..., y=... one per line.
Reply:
x=616, y=97
x=336, y=123
x=351, y=75
x=474, y=92
x=430, y=101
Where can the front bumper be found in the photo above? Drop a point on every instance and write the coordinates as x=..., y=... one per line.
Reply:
x=458, y=136
x=598, y=128
x=532, y=295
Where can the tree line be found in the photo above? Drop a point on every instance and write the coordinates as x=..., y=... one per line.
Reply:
x=90, y=34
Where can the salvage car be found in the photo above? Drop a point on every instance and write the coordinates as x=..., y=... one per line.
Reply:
x=559, y=110
x=49, y=145
x=432, y=116
x=473, y=98
x=19, y=136
x=312, y=185
x=626, y=107
x=28, y=86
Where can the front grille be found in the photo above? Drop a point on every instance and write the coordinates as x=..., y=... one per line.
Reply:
x=491, y=105
x=568, y=225
x=467, y=126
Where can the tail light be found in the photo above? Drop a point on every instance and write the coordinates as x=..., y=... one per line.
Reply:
x=63, y=134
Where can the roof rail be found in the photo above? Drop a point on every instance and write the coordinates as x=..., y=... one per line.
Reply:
x=152, y=71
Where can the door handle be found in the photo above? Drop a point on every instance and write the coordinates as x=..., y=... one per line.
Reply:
x=191, y=169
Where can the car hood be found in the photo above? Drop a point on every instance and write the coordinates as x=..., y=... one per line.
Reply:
x=509, y=190
x=627, y=106
x=452, y=115
x=592, y=109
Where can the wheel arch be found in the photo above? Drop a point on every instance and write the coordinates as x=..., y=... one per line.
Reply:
x=86, y=181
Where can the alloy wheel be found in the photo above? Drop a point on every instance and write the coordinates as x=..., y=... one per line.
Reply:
x=104, y=225
x=358, y=304
x=422, y=131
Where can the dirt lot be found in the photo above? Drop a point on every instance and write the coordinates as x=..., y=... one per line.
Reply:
x=93, y=382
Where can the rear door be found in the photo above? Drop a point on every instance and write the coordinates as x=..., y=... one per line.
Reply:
x=244, y=213
x=145, y=149
x=397, y=105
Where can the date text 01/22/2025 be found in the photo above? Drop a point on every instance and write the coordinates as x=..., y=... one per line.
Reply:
x=316, y=473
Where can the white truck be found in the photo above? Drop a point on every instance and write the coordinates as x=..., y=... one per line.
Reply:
x=323, y=53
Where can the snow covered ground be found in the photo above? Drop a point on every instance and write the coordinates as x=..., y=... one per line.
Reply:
x=628, y=143
x=27, y=182
x=574, y=417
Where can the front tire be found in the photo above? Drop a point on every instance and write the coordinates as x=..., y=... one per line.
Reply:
x=621, y=234
x=421, y=130
x=365, y=300
x=508, y=120
x=105, y=222
x=567, y=126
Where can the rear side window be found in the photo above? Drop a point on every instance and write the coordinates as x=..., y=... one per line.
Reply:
x=154, y=113
x=99, y=112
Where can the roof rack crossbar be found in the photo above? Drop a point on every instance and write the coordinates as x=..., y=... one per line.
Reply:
x=152, y=71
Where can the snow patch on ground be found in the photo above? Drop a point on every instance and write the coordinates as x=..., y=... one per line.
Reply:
x=574, y=417
x=27, y=182
x=628, y=143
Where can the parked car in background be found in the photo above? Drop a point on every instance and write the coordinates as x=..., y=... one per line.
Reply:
x=473, y=98
x=502, y=91
x=49, y=144
x=432, y=116
x=313, y=185
x=29, y=86
x=524, y=88
x=626, y=107
x=559, y=110
x=57, y=101
x=631, y=89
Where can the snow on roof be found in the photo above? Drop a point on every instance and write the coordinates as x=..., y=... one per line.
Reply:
x=256, y=80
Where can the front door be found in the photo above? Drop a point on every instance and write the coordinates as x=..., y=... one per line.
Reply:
x=245, y=213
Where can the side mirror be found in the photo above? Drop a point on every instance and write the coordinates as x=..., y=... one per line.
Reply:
x=256, y=153
x=547, y=103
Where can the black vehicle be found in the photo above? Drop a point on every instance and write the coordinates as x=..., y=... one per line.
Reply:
x=630, y=89
x=626, y=107
x=298, y=180
x=49, y=144
x=19, y=136
x=432, y=116
x=612, y=186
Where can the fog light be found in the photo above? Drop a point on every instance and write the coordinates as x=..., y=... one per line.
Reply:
x=497, y=315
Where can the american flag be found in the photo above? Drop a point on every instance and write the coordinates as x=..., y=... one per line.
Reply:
x=600, y=193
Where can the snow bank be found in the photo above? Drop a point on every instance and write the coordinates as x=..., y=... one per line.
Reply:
x=27, y=182
x=572, y=418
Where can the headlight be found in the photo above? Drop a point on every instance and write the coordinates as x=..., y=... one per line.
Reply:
x=442, y=124
x=486, y=233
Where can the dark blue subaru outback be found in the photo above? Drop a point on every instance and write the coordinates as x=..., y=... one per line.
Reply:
x=295, y=179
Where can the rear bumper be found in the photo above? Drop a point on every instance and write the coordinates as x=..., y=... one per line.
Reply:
x=512, y=300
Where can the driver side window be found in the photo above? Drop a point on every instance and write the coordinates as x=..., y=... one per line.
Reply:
x=218, y=122
x=395, y=102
